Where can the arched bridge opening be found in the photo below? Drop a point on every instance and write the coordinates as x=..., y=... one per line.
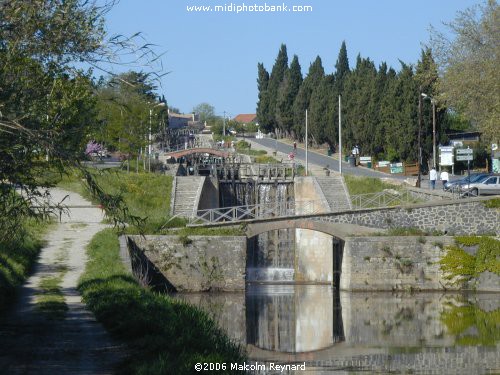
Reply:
x=295, y=251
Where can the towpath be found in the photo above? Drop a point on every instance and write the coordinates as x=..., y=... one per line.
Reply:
x=34, y=341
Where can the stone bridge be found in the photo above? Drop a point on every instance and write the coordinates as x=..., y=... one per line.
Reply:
x=199, y=150
x=464, y=217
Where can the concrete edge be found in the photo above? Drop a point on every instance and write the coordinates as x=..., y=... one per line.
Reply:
x=349, y=201
x=172, y=196
x=320, y=192
x=124, y=253
x=199, y=191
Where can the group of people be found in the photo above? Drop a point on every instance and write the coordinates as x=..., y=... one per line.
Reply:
x=433, y=177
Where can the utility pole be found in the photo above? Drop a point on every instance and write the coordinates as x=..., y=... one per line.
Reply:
x=433, y=101
x=340, y=134
x=307, y=141
x=223, y=126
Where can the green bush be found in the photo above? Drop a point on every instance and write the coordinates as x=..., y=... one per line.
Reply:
x=17, y=256
x=166, y=336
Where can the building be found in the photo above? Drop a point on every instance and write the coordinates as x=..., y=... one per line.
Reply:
x=179, y=121
x=246, y=118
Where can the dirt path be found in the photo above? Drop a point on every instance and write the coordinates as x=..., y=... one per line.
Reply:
x=38, y=342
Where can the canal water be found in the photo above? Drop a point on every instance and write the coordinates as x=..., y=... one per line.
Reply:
x=332, y=332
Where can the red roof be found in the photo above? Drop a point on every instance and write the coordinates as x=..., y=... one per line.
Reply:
x=245, y=118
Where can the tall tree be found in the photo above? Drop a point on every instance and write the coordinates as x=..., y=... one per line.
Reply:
x=468, y=57
x=322, y=112
x=341, y=68
x=360, y=106
x=277, y=75
x=263, y=112
x=287, y=93
x=303, y=98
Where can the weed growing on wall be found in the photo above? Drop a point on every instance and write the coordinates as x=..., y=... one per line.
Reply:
x=461, y=266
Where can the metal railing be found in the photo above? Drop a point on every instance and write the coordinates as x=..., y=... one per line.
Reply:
x=388, y=199
x=257, y=211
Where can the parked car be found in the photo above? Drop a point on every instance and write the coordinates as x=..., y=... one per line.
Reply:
x=487, y=186
x=474, y=177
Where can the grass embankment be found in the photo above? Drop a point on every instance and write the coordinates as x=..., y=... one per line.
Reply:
x=167, y=336
x=367, y=185
x=260, y=156
x=17, y=256
x=146, y=195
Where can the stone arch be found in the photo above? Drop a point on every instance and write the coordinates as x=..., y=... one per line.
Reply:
x=211, y=151
x=336, y=230
x=319, y=261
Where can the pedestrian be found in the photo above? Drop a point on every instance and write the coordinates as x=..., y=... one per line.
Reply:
x=433, y=177
x=294, y=146
x=444, y=178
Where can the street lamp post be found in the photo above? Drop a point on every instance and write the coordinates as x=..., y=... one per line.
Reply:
x=307, y=149
x=433, y=101
x=340, y=134
x=419, y=151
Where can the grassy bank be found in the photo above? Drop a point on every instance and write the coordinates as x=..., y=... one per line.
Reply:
x=17, y=256
x=146, y=195
x=166, y=336
x=366, y=185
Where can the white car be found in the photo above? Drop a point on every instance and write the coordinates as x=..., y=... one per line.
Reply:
x=487, y=186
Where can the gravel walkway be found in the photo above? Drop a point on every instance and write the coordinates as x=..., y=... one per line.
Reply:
x=33, y=342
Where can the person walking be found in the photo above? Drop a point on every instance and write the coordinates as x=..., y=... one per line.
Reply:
x=444, y=178
x=433, y=177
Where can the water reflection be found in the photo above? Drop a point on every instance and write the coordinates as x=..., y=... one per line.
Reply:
x=352, y=332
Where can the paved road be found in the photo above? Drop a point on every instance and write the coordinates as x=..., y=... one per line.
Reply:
x=322, y=160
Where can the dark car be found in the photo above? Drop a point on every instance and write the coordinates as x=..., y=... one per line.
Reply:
x=474, y=177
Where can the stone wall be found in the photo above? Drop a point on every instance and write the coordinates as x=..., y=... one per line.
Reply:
x=462, y=218
x=401, y=263
x=196, y=263
x=209, y=197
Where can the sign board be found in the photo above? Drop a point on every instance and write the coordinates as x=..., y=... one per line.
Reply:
x=446, y=155
x=446, y=148
x=446, y=159
x=465, y=151
x=397, y=168
x=469, y=157
x=365, y=159
x=383, y=163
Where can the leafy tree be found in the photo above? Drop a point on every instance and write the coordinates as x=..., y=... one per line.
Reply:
x=205, y=111
x=287, y=93
x=47, y=105
x=467, y=54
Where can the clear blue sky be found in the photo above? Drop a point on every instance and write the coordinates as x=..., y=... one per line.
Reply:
x=212, y=57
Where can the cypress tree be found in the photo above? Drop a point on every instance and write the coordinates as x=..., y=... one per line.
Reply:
x=287, y=93
x=322, y=112
x=277, y=75
x=263, y=114
x=341, y=68
x=303, y=98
